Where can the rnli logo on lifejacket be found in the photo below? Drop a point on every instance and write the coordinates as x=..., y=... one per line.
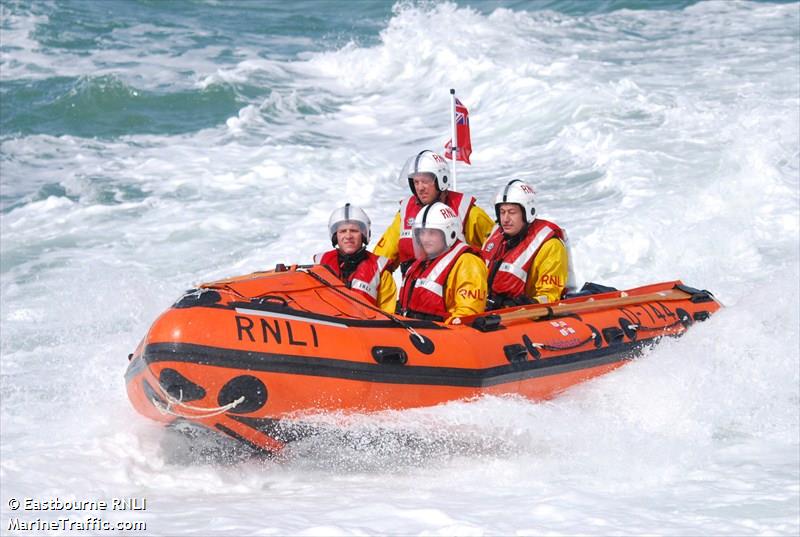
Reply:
x=474, y=294
x=490, y=247
x=361, y=286
x=551, y=279
x=410, y=222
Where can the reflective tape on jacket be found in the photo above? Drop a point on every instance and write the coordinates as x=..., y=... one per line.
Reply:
x=365, y=280
x=426, y=285
x=370, y=287
x=511, y=276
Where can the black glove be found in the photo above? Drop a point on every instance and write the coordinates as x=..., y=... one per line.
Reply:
x=523, y=300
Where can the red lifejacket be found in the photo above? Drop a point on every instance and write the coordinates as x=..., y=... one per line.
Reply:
x=410, y=207
x=508, y=270
x=422, y=294
x=365, y=280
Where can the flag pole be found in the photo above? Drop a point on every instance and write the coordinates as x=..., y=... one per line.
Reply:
x=454, y=134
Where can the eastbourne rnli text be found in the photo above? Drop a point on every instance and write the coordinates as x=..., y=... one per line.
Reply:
x=113, y=504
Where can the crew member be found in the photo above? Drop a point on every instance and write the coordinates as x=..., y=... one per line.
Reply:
x=527, y=257
x=448, y=278
x=429, y=180
x=362, y=271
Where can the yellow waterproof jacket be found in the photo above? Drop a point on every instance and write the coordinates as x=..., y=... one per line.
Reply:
x=476, y=229
x=387, y=292
x=548, y=274
x=467, y=288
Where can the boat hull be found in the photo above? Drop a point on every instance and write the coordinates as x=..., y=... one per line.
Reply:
x=248, y=357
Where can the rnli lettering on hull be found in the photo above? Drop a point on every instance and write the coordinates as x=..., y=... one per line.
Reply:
x=279, y=331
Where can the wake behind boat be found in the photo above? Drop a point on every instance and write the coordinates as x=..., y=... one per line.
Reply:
x=248, y=356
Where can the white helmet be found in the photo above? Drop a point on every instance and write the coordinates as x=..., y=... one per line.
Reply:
x=349, y=214
x=440, y=217
x=427, y=162
x=520, y=193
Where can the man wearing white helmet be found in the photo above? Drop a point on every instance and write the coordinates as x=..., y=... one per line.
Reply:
x=527, y=257
x=448, y=278
x=429, y=180
x=362, y=271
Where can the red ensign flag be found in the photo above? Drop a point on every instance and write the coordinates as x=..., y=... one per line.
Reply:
x=462, y=132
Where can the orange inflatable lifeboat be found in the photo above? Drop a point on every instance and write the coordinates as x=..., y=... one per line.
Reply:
x=247, y=356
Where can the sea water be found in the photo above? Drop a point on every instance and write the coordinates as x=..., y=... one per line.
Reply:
x=148, y=146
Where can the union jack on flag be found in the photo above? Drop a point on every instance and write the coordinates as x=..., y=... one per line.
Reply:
x=462, y=135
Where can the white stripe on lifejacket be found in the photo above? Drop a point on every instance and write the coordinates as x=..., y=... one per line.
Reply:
x=376, y=279
x=260, y=313
x=382, y=261
x=429, y=283
x=516, y=268
x=516, y=271
x=403, y=210
x=367, y=287
x=463, y=207
x=406, y=234
x=371, y=287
